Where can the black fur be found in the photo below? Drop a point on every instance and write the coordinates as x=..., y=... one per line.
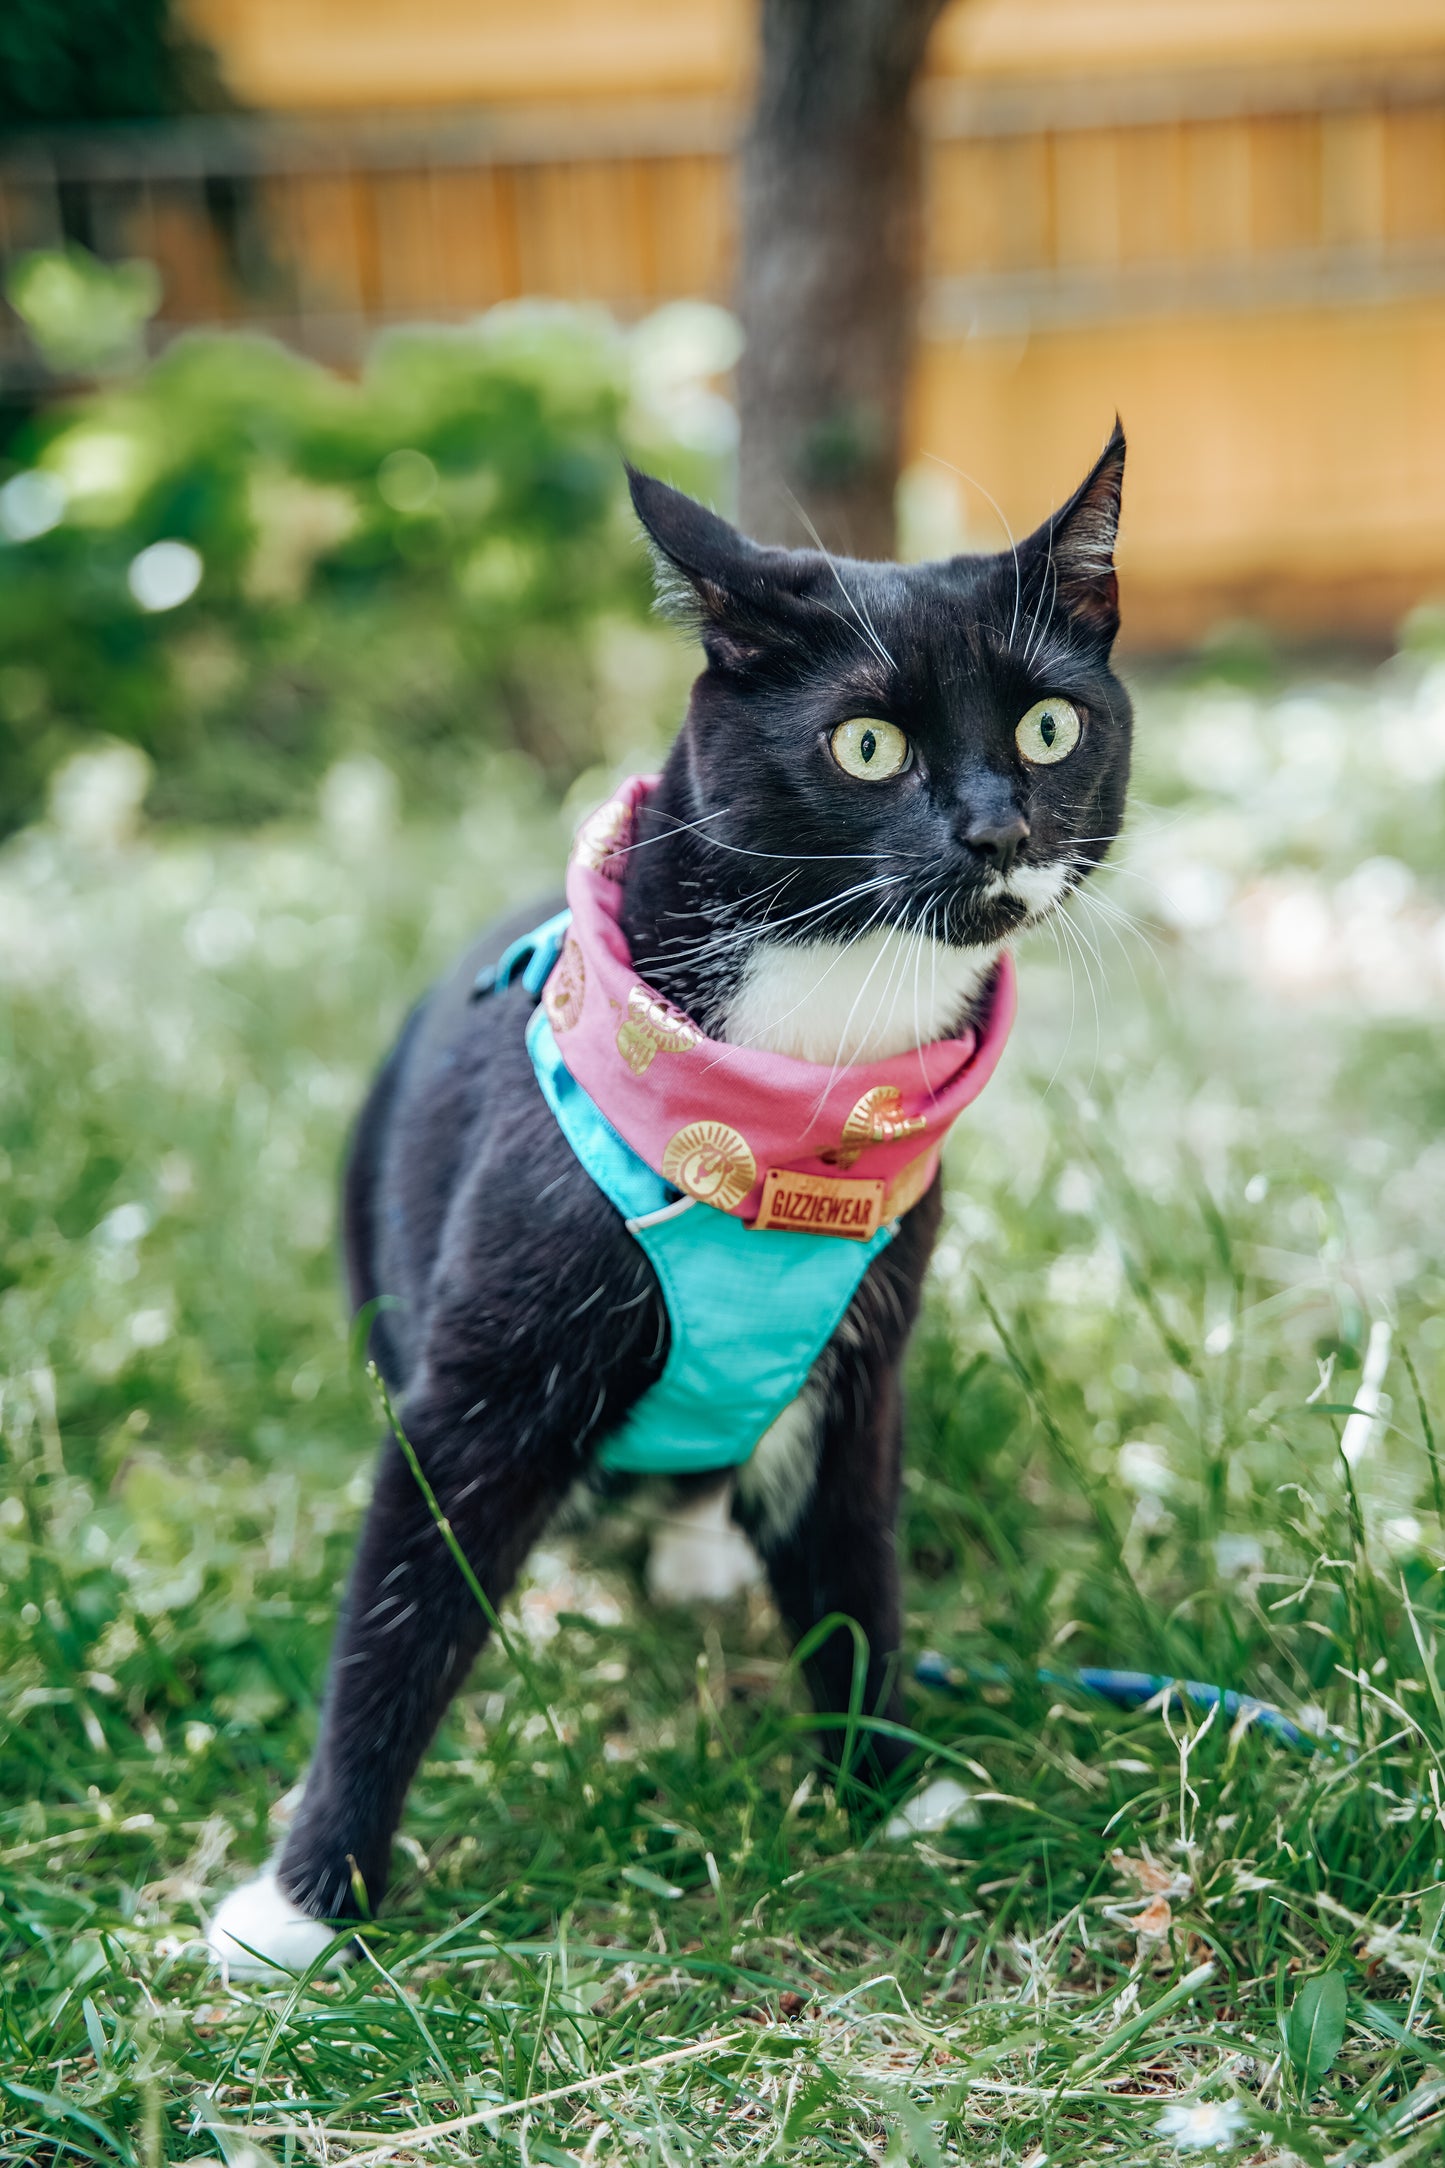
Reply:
x=520, y=1321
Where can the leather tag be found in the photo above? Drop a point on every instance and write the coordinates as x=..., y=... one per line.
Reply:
x=819, y=1204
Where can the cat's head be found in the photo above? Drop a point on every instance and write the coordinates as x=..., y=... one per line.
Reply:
x=873, y=745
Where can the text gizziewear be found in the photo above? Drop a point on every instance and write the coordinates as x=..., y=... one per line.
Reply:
x=760, y=1186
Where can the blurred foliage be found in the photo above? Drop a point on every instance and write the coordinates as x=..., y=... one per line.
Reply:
x=85, y=316
x=76, y=60
x=435, y=558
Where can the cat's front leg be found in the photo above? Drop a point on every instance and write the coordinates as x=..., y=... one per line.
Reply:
x=410, y=1630
x=819, y=1498
x=829, y=1547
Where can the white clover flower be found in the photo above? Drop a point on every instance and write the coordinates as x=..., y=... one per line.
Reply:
x=1235, y=1556
x=31, y=504
x=1144, y=1466
x=165, y=575
x=1202, y=2126
x=360, y=803
x=125, y=1224
x=97, y=796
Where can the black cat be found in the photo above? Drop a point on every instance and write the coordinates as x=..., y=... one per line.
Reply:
x=777, y=887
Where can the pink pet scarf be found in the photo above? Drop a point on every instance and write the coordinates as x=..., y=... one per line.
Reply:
x=776, y=1141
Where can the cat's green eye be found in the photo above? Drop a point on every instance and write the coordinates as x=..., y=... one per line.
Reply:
x=1049, y=732
x=870, y=749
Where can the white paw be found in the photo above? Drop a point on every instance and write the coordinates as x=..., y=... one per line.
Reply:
x=943, y=1804
x=258, y=1932
x=698, y=1555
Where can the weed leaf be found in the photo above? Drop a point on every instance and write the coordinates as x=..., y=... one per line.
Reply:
x=1314, y=2031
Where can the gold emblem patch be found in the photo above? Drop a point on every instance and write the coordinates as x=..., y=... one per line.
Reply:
x=820, y=1204
x=563, y=993
x=652, y=1027
x=877, y=1119
x=712, y=1163
x=598, y=838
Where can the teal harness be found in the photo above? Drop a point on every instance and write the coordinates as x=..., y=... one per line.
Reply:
x=750, y=1309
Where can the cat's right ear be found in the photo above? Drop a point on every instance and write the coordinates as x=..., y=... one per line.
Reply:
x=1072, y=555
x=708, y=575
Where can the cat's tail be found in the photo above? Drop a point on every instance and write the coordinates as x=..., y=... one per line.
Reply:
x=361, y=1182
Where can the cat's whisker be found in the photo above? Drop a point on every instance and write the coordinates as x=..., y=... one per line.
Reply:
x=1109, y=908
x=685, y=949
x=1117, y=870
x=843, y=1058
x=813, y=914
x=1145, y=880
x=919, y=942
x=1042, y=618
x=927, y=942
x=844, y=949
x=897, y=978
x=1132, y=926
x=744, y=936
x=770, y=891
x=1120, y=923
x=741, y=850
x=864, y=619
x=914, y=934
x=1072, y=934
x=840, y=1060
x=820, y=604
x=814, y=919
x=1089, y=942
x=975, y=483
x=679, y=828
x=1104, y=906
x=816, y=916
x=1088, y=903
x=806, y=858
x=1065, y=956
x=1163, y=819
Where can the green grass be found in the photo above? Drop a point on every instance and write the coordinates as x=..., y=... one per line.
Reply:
x=1123, y=1448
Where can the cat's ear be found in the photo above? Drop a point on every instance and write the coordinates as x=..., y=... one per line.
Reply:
x=733, y=592
x=1076, y=546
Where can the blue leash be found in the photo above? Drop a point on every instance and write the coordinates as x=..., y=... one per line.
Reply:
x=1127, y=1690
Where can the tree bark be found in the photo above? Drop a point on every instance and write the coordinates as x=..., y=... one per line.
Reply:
x=830, y=251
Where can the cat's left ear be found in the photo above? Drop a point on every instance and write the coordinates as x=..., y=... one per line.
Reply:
x=1076, y=546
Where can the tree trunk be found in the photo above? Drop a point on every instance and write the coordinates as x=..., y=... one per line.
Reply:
x=830, y=219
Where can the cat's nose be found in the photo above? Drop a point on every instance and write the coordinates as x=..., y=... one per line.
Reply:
x=998, y=839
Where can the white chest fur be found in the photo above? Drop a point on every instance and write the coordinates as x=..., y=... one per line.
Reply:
x=824, y=1001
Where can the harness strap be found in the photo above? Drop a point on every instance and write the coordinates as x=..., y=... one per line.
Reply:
x=530, y=958
x=750, y=1310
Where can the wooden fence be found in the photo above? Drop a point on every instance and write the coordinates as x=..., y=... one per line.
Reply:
x=1249, y=264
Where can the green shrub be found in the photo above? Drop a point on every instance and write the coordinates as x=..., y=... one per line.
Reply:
x=426, y=562
x=75, y=60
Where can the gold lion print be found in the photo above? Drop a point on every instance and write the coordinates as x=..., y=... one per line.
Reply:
x=652, y=1027
x=563, y=994
x=878, y=1118
x=598, y=839
x=712, y=1163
